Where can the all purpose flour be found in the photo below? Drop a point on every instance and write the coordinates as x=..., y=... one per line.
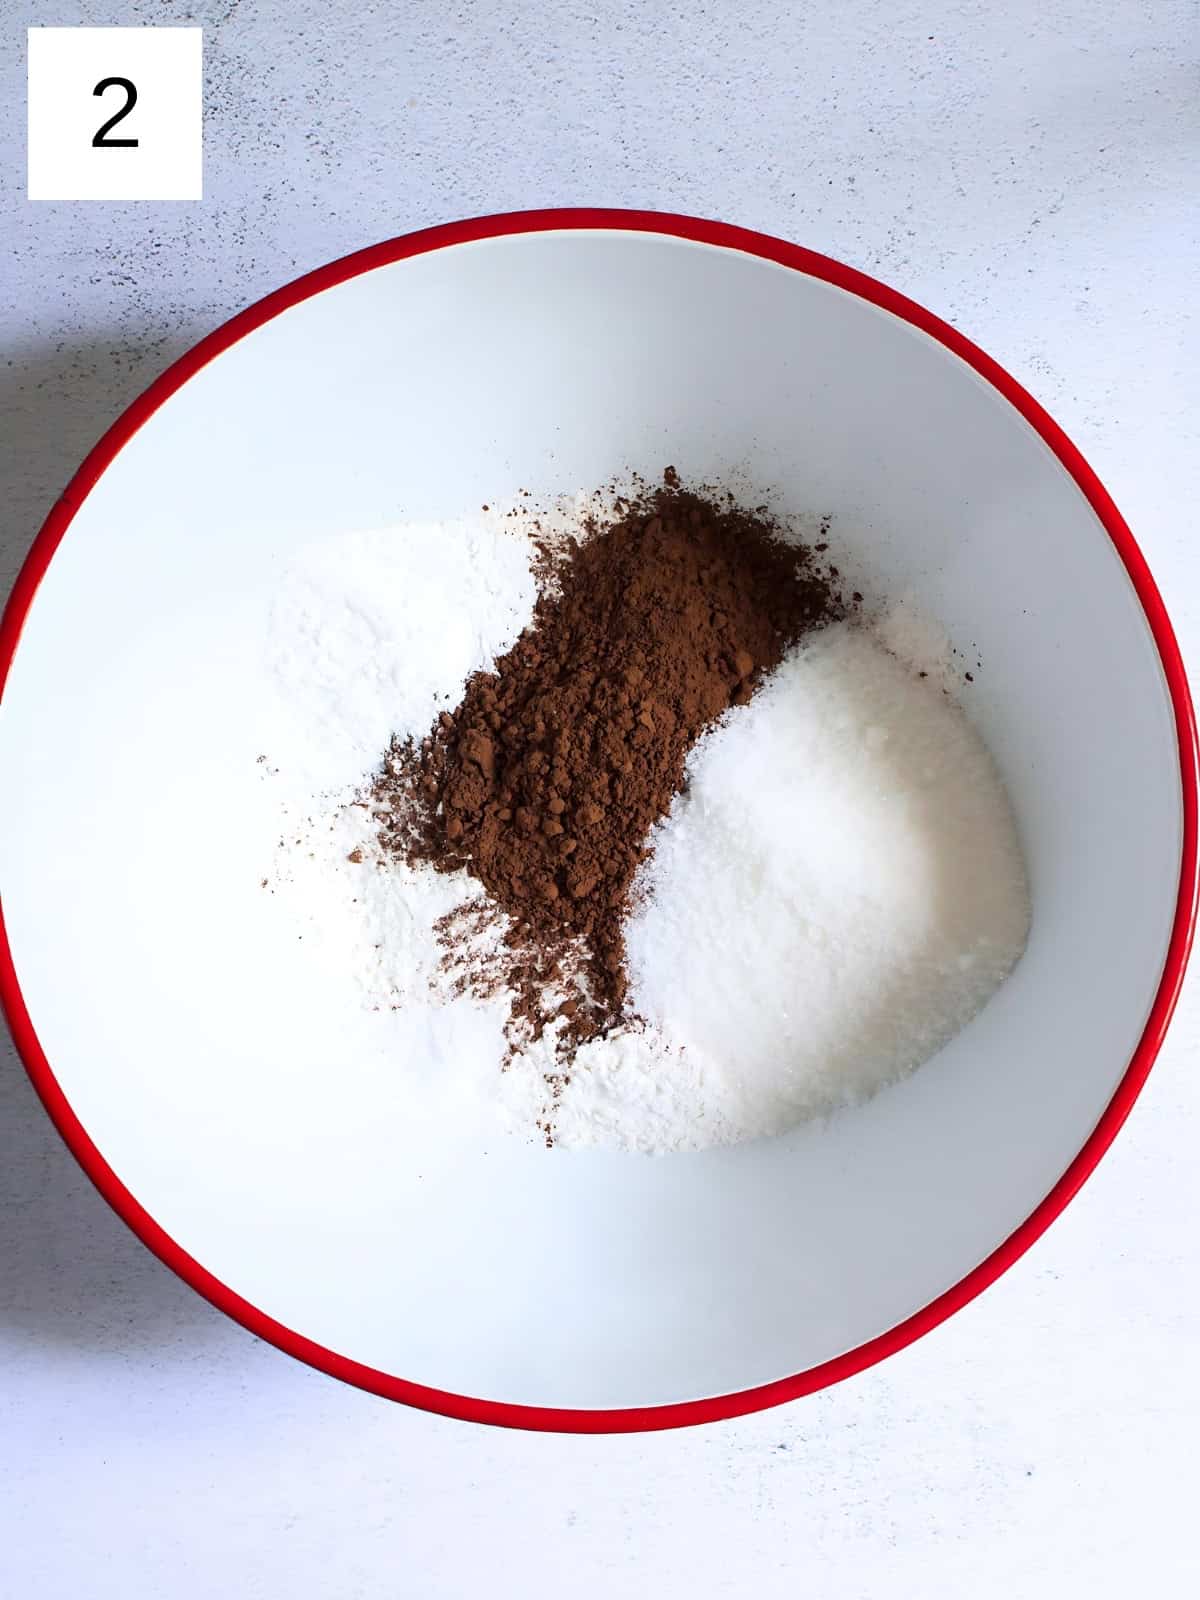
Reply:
x=836, y=893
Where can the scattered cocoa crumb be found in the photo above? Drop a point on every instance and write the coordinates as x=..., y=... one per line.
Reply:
x=544, y=783
x=356, y=856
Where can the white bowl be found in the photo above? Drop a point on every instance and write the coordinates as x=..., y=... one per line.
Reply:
x=167, y=1026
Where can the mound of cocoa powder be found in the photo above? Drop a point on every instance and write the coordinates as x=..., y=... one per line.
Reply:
x=545, y=782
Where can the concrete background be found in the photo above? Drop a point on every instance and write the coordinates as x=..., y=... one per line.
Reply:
x=1028, y=171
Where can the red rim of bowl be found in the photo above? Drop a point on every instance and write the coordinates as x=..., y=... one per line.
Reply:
x=679, y=1414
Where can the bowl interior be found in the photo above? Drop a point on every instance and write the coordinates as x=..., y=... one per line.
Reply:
x=184, y=1021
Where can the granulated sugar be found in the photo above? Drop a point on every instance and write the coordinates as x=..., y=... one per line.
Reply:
x=850, y=826
x=836, y=892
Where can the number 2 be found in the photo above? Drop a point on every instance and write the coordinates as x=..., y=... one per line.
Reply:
x=99, y=139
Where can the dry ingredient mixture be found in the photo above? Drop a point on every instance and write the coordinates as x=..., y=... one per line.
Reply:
x=544, y=782
x=671, y=846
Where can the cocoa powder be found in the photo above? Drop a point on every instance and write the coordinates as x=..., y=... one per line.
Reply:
x=546, y=780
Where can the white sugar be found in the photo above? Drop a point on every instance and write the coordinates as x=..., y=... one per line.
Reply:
x=837, y=893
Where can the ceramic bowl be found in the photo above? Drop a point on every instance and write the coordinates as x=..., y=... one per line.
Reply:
x=171, y=1027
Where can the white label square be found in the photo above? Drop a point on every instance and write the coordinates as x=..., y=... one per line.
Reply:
x=145, y=84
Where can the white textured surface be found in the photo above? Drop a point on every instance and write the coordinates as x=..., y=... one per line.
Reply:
x=1028, y=172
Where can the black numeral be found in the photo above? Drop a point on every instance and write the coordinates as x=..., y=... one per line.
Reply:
x=99, y=138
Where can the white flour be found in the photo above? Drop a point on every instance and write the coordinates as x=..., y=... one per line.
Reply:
x=373, y=632
x=835, y=896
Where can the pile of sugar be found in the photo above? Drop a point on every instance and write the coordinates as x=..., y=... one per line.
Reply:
x=874, y=925
x=781, y=971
